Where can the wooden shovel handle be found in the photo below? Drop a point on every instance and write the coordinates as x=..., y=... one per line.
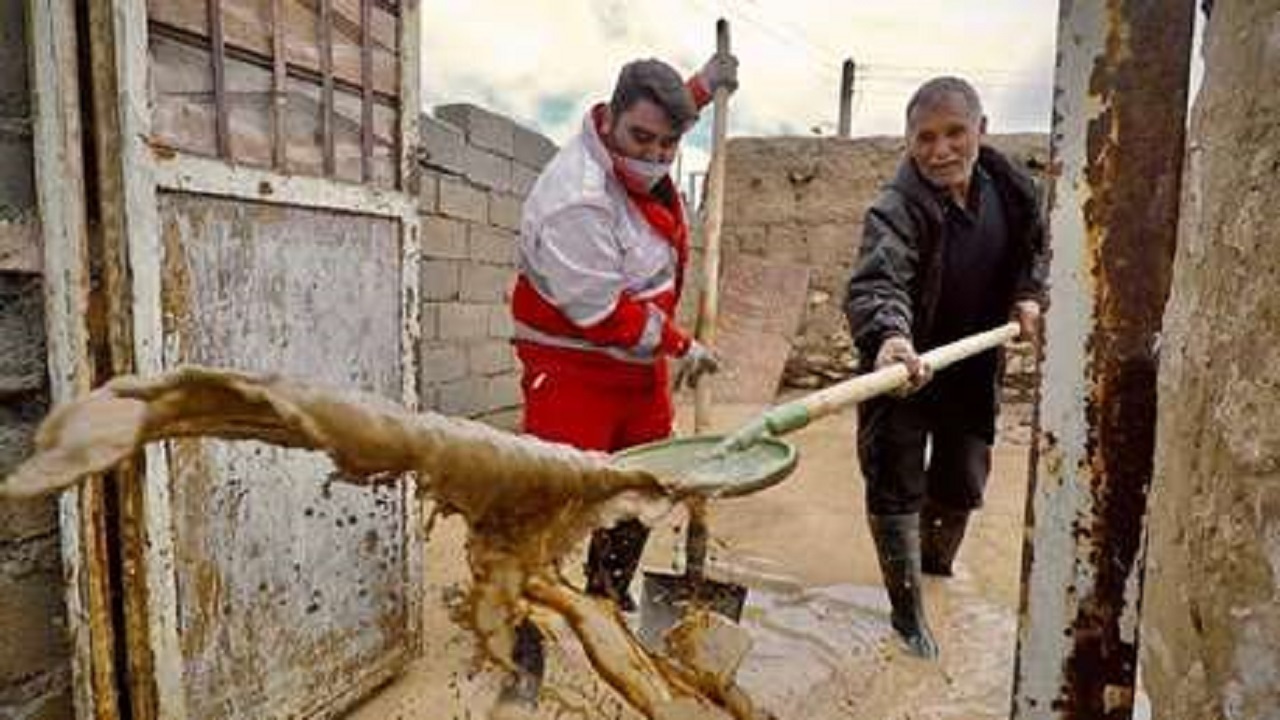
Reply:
x=713, y=199
x=864, y=387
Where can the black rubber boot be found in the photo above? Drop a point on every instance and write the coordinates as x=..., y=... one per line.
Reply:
x=898, y=547
x=612, y=560
x=941, y=532
x=523, y=686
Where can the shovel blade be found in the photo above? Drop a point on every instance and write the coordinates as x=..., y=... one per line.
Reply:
x=666, y=599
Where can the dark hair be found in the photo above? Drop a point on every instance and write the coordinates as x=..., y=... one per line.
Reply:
x=659, y=83
x=940, y=89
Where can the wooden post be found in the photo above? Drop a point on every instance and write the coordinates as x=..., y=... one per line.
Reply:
x=847, y=75
x=714, y=202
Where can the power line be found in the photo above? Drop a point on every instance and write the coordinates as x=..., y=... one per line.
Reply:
x=799, y=43
x=888, y=68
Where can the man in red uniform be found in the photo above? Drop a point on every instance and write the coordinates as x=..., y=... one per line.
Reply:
x=603, y=249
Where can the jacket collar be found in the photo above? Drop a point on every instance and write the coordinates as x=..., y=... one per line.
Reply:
x=908, y=180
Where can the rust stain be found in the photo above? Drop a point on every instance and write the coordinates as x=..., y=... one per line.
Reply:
x=1133, y=168
x=160, y=150
x=200, y=583
x=175, y=294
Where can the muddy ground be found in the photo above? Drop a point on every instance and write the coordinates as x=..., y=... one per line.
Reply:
x=816, y=613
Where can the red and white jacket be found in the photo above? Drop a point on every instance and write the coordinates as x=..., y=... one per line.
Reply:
x=601, y=267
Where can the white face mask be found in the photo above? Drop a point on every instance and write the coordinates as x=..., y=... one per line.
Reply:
x=650, y=173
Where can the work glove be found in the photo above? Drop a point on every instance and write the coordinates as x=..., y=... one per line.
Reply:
x=720, y=71
x=697, y=361
x=1027, y=313
x=898, y=349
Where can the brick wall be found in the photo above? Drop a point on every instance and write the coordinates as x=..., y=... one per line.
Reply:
x=478, y=167
x=34, y=660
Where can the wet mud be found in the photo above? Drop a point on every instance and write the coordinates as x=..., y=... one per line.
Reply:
x=816, y=614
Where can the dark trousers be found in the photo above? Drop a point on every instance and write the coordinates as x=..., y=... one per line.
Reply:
x=892, y=438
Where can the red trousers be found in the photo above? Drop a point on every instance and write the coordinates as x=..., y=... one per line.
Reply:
x=593, y=402
x=597, y=403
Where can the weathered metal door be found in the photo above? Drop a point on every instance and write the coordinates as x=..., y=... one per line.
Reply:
x=255, y=173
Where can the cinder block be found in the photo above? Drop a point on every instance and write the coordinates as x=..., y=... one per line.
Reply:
x=32, y=619
x=463, y=398
x=490, y=358
x=443, y=146
x=504, y=210
x=488, y=170
x=440, y=279
x=492, y=245
x=463, y=322
x=429, y=193
x=51, y=699
x=500, y=323
x=486, y=283
x=22, y=340
x=504, y=392
x=17, y=180
x=483, y=128
x=430, y=318
x=430, y=398
x=533, y=149
x=459, y=200
x=443, y=364
x=15, y=98
x=19, y=416
x=443, y=237
x=522, y=179
x=25, y=519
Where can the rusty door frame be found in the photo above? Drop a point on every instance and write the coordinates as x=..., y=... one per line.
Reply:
x=60, y=194
x=1117, y=145
x=131, y=174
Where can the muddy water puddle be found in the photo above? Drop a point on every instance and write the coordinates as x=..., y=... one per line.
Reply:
x=817, y=653
x=828, y=652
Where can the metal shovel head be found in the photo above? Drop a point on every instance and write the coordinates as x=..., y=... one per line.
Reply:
x=667, y=599
x=693, y=464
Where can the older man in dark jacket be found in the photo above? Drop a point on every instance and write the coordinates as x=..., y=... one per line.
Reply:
x=954, y=245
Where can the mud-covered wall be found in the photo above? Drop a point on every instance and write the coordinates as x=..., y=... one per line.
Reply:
x=1211, y=619
x=35, y=668
x=802, y=200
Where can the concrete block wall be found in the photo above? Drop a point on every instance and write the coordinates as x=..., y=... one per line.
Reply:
x=35, y=670
x=478, y=167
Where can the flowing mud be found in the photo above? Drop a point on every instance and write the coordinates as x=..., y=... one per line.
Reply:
x=517, y=513
x=816, y=614
x=526, y=504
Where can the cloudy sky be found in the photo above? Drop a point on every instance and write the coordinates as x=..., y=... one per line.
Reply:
x=544, y=62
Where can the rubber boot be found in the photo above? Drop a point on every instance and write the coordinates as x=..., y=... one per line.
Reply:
x=612, y=560
x=527, y=654
x=941, y=532
x=898, y=548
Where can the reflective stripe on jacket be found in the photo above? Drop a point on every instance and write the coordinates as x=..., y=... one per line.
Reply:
x=600, y=270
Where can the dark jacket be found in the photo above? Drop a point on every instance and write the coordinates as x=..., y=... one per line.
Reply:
x=897, y=280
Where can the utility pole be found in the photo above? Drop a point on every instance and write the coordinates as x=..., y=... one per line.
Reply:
x=846, y=98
